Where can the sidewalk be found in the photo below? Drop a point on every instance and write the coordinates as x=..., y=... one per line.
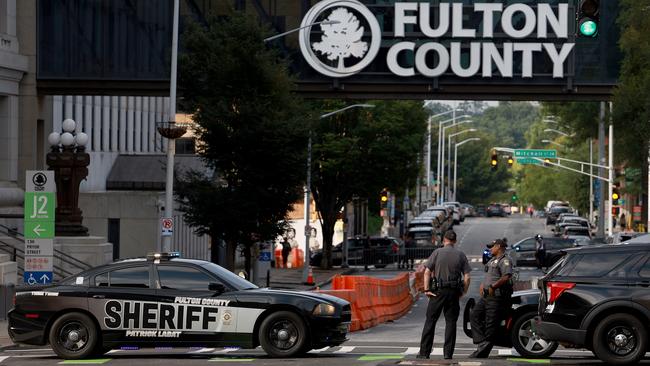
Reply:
x=292, y=278
x=5, y=341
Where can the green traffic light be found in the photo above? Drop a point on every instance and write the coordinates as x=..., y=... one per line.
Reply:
x=588, y=28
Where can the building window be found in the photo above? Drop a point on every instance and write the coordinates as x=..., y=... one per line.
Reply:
x=185, y=146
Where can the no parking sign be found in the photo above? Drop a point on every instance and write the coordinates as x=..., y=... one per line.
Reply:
x=167, y=226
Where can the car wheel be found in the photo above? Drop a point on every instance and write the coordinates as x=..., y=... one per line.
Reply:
x=526, y=341
x=283, y=334
x=620, y=339
x=73, y=336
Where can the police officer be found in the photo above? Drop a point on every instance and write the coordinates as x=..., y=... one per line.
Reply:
x=495, y=291
x=446, y=279
x=540, y=251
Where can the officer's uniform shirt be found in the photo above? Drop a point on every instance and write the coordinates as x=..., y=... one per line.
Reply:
x=540, y=245
x=448, y=263
x=497, y=267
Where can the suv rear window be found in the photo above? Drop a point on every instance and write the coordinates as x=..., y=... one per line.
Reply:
x=592, y=265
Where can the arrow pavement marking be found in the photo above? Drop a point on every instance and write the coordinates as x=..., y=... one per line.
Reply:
x=38, y=230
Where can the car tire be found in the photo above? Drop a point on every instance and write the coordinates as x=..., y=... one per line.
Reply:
x=620, y=328
x=72, y=327
x=283, y=334
x=527, y=343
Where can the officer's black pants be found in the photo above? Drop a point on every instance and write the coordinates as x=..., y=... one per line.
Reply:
x=447, y=300
x=486, y=317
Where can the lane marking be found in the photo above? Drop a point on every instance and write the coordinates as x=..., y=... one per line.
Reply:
x=97, y=361
x=202, y=350
x=216, y=359
x=345, y=349
x=538, y=361
x=2, y=358
x=319, y=350
x=113, y=351
x=379, y=357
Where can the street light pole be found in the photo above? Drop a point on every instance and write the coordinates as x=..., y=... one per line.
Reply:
x=456, y=159
x=441, y=151
x=610, y=184
x=558, y=132
x=442, y=160
x=305, y=269
x=554, y=143
x=171, y=143
x=428, y=160
x=449, y=165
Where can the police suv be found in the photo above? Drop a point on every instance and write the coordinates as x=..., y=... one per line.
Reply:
x=163, y=300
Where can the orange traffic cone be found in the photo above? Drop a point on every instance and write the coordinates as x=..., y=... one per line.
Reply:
x=310, y=278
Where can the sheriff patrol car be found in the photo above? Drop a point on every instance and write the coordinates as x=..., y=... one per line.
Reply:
x=163, y=300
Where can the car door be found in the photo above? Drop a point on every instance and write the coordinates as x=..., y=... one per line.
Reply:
x=525, y=252
x=195, y=307
x=639, y=277
x=117, y=298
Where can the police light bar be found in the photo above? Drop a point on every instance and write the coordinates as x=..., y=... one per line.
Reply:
x=163, y=256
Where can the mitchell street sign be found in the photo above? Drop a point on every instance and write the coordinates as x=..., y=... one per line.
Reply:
x=535, y=153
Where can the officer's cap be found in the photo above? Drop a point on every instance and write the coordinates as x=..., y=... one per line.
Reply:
x=499, y=242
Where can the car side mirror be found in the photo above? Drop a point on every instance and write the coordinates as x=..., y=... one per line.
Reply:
x=217, y=287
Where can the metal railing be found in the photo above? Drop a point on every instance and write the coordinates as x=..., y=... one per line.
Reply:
x=382, y=257
x=18, y=255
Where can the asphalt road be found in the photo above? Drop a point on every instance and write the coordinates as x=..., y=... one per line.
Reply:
x=394, y=343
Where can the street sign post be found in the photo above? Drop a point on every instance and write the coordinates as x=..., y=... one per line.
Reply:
x=535, y=153
x=40, y=205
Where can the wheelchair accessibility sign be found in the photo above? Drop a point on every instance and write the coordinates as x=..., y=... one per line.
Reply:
x=37, y=278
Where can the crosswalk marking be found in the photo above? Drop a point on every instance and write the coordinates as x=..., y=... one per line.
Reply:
x=203, y=350
x=2, y=358
x=345, y=349
x=412, y=351
x=319, y=350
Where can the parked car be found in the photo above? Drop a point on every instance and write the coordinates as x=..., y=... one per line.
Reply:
x=468, y=210
x=623, y=236
x=597, y=298
x=495, y=209
x=164, y=300
x=458, y=212
x=518, y=330
x=576, y=232
x=481, y=210
x=570, y=221
x=440, y=213
x=555, y=212
x=523, y=252
x=377, y=251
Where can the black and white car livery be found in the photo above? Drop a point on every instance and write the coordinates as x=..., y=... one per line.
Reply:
x=163, y=300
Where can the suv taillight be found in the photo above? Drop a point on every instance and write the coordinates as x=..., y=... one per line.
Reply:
x=555, y=289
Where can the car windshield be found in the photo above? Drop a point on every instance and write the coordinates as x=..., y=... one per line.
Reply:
x=232, y=279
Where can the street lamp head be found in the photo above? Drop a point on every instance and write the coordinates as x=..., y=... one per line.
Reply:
x=68, y=125
x=81, y=139
x=472, y=130
x=67, y=139
x=54, y=139
x=546, y=141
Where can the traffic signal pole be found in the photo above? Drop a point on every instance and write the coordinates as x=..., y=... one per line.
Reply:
x=610, y=186
x=601, y=170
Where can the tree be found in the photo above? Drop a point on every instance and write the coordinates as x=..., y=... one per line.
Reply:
x=343, y=39
x=362, y=151
x=251, y=133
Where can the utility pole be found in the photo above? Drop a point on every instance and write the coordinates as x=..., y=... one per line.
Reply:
x=591, y=180
x=601, y=171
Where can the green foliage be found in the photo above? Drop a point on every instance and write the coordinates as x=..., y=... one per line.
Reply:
x=508, y=122
x=362, y=151
x=632, y=98
x=251, y=130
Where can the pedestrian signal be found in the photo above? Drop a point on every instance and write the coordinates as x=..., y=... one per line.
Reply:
x=588, y=18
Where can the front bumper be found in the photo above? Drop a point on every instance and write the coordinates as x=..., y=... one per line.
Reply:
x=556, y=332
x=331, y=332
x=28, y=331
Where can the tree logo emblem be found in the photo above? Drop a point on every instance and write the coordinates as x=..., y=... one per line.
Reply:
x=342, y=40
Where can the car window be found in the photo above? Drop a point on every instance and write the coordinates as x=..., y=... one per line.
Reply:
x=137, y=277
x=645, y=270
x=555, y=244
x=593, y=264
x=101, y=280
x=527, y=245
x=184, y=278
